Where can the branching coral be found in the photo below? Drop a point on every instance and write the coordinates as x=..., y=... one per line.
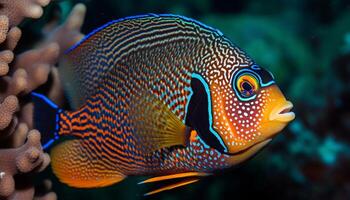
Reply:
x=8, y=108
x=37, y=63
x=17, y=10
x=24, y=159
x=67, y=34
x=21, y=154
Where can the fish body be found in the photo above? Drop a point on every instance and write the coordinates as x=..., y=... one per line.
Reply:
x=159, y=95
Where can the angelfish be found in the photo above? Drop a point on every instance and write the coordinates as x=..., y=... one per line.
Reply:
x=158, y=95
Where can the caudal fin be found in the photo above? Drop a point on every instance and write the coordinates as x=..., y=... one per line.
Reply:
x=46, y=117
x=74, y=165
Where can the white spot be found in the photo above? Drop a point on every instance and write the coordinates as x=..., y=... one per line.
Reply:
x=2, y=174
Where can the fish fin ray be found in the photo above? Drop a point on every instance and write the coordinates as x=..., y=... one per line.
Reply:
x=173, y=186
x=175, y=176
x=156, y=126
x=73, y=165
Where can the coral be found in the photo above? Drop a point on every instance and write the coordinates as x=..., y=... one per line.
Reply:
x=21, y=153
x=29, y=157
x=67, y=34
x=8, y=108
x=37, y=63
x=20, y=160
x=17, y=10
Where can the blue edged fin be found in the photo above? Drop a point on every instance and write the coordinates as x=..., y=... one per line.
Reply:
x=88, y=63
x=46, y=118
x=204, y=26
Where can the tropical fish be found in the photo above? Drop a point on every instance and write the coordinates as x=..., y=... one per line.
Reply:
x=158, y=95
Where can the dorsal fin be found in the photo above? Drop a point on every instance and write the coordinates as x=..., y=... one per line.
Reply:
x=88, y=62
x=83, y=69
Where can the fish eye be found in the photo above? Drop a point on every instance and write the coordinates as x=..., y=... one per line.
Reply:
x=247, y=86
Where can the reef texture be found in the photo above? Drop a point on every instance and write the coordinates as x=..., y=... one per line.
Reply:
x=21, y=153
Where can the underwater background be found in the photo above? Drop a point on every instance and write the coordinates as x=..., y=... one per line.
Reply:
x=306, y=45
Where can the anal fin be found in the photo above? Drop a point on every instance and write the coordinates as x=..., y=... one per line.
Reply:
x=74, y=166
x=185, y=179
x=172, y=186
x=174, y=176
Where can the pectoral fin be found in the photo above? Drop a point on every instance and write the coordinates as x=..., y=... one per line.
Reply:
x=156, y=126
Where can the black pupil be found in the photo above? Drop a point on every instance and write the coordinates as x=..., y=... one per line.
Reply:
x=247, y=86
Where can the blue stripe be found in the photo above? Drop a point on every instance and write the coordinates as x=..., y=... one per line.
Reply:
x=57, y=128
x=201, y=79
x=47, y=100
x=45, y=146
x=139, y=17
x=188, y=102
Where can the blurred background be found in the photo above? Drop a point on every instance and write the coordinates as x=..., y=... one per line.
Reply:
x=306, y=44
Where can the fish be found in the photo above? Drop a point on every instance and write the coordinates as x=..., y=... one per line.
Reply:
x=158, y=95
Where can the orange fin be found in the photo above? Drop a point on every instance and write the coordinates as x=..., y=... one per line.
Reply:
x=172, y=186
x=74, y=166
x=174, y=176
x=156, y=126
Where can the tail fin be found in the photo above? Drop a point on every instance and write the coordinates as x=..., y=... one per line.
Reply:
x=46, y=117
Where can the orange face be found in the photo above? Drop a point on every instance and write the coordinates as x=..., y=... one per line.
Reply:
x=248, y=111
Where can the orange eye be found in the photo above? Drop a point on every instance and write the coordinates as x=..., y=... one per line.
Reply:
x=247, y=85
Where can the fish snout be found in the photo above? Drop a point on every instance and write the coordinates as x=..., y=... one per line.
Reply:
x=282, y=112
x=277, y=118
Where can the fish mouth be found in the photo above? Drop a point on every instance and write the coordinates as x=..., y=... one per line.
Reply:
x=282, y=113
x=255, y=147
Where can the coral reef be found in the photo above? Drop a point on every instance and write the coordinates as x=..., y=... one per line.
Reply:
x=21, y=153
